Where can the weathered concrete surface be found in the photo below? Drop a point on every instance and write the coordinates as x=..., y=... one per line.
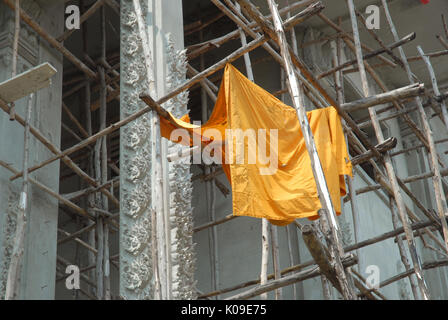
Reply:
x=38, y=272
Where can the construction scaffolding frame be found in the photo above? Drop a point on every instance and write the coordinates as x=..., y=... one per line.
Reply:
x=331, y=260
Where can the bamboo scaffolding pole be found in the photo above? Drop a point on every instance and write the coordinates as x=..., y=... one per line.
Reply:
x=288, y=280
x=377, y=39
x=388, y=117
x=370, y=55
x=406, y=150
x=87, y=191
x=73, y=237
x=435, y=86
x=50, y=146
x=93, y=8
x=336, y=48
x=425, y=266
x=52, y=41
x=387, y=160
x=333, y=239
x=15, y=51
x=202, y=25
x=346, y=35
x=115, y=126
x=408, y=120
x=432, y=157
x=83, y=277
x=401, y=249
x=283, y=84
x=44, y=188
x=442, y=41
x=320, y=255
x=387, y=187
x=414, y=127
x=203, y=48
x=90, y=196
x=215, y=223
x=445, y=28
x=388, y=96
x=359, y=245
x=363, y=280
x=76, y=234
x=278, y=294
x=206, y=84
x=308, y=79
x=12, y=290
x=75, y=120
x=212, y=69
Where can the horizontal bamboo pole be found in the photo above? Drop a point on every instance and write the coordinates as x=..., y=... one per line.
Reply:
x=393, y=95
x=214, y=223
x=309, y=273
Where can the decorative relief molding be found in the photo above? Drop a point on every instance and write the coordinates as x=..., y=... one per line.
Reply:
x=136, y=274
x=135, y=158
x=181, y=220
x=9, y=230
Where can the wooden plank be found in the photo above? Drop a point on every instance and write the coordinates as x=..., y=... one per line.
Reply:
x=27, y=82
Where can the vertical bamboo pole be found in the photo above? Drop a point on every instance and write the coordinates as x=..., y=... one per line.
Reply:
x=99, y=219
x=264, y=255
x=328, y=211
x=283, y=86
x=15, y=51
x=104, y=167
x=276, y=259
x=387, y=160
x=401, y=249
x=432, y=158
x=326, y=285
x=247, y=62
x=290, y=255
x=12, y=282
x=336, y=48
x=90, y=160
x=435, y=86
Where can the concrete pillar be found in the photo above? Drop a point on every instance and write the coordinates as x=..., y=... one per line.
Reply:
x=165, y=32
x=39, y=259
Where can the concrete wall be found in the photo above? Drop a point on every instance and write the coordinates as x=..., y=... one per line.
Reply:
x=38, y=272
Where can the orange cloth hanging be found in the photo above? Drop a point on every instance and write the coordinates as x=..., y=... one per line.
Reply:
x=289, y=192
